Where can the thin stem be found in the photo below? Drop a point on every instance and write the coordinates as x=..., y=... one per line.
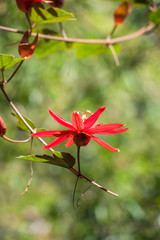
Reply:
x=93, y=182
x=74, y=191
x=16, y=141
x=21, y=117
x=3, y=77
x=29, y=21
x=78, y=160
x=20, y=64
x=31, y=174
x=136, y=34
x=62, y=30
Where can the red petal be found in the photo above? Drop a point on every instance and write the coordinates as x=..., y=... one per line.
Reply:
x=77, y=121
x=25, y=48
x=52, y=133
x=102, y=129
x=89, y=122
x=105, y=145
x=115, y=131
x=55, y=142
x=61, y=121
x=69, y=142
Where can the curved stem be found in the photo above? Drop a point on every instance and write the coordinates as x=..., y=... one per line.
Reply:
x=16, y=141
x=15, y=71
x=136, y=34
x=78, y=160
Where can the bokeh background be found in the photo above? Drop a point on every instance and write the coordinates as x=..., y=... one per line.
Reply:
x=131, y=93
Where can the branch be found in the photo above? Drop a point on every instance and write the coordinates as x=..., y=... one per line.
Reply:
x=136, y=34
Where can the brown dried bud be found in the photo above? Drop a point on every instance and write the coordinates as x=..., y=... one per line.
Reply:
x=122, y=11
x=3, y=127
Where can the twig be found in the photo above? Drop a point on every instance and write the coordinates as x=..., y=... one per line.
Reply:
x=16, y=141
x=136, y=34
x=15, y=71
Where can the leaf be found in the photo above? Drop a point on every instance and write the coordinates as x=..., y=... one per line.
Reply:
x=43, y=16
x=21, y=125
x=61, y=159
x=8, y=61
x=48, y=47
x=155, y=17
x=84, y=50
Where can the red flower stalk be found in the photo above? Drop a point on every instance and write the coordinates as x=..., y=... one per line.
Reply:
x=3, y=127
x=81, y=130
x=25, y=5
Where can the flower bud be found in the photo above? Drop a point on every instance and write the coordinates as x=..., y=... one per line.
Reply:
x=57, y=3
x=3, y=127
x=122, y=11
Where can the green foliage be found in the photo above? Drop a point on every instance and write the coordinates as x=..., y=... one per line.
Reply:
x=8, y=61
x=45, y=16
x=21, y=125
x=61, y=159
x=155, y=17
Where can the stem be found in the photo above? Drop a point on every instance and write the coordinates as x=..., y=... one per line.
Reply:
x=29, y=21
x=15, y=71
x=93, y=182
x=16, y=141
x=74, y=191
x=136, y=34
x=21, y=117
x=62, y=30
x=31, y=174
x=78, y=159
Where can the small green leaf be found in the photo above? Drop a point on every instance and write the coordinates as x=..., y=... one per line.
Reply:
x=8, y=61
x=21, y=125
x=84, y=50
x=51, y=15
x=61, y=159
x=48, y=47
x=155, y=17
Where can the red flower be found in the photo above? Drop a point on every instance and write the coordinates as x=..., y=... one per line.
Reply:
x=57, y=3
x=81, y=130
x=25, y=5
x=3, y=127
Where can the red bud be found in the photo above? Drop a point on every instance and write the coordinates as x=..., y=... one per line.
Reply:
x=57, y=3
x=25, y=5
x=3, y=127
x=26, y=49
x=123, y=10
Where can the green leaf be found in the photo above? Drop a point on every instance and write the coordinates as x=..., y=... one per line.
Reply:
x=21, y=125
x=48, y=47
x=8, y=61
x=84, y=50
x=155, y=17
x=61, y=159
x=43, y=16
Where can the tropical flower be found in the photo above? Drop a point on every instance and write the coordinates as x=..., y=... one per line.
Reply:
x=81, y=130
x=25, y=5
x=3, y=127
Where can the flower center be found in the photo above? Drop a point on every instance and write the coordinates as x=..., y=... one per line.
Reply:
x=81, y=139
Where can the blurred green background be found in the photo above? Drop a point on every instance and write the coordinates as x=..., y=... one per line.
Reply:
x=131, y=93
